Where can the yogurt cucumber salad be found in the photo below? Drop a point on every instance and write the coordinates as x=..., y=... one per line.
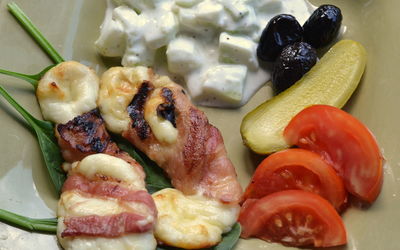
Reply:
x=209, y=46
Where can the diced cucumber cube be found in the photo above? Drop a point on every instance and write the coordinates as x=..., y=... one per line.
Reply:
x=210, y=13
x=236, y=8
x=183, y=55
x=186, y=3
x=111, y=41
x=138, y=54
x=269, y=6
x=225, y=82
x=163, y=32
x=238, y=50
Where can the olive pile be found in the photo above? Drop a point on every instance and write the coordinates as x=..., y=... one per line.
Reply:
x=292, y=46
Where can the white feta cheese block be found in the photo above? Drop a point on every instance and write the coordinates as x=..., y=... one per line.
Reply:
x=238, y=50
x=162, y=32
x=186, y=3
x=208, y=12
x=226, y=82
x=183, y=55
x=111, y=41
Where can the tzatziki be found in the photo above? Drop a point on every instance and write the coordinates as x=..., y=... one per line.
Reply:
x=209, y=45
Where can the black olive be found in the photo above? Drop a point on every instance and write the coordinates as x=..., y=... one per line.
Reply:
x=294, y=61
x=322, y=26
x=280, y=31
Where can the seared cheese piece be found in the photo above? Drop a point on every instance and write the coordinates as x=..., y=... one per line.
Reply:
x=66, y=91
x=110, y=166
x=191, y=222
x=118, y=87
x=162, y=129
x=144, y=241
x=74, y=203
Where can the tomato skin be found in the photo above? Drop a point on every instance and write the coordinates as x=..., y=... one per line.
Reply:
x=297, y=169
x=294, y=218
x=345, y=143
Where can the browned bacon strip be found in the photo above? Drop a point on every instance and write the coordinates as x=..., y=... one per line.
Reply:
x=106, y=226
x=107, y=189
x=85, y=135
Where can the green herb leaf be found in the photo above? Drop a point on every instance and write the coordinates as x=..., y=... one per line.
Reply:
x=45, y=134
x=34, y=32
x=30, y=224
x=155, y=177
x=32, y=79
x=229, y=239
x=228, y=242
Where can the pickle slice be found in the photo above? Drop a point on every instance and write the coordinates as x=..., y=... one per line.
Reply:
x=331, y=81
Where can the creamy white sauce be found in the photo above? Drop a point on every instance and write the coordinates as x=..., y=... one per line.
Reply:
x=144, y=39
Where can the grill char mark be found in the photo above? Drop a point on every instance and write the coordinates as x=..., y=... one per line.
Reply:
x=86, y=126
x=167, y=109
x=136, y=110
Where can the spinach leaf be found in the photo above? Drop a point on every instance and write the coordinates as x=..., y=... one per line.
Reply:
x=228, y=242
x=155, y=176
x=229, y=239
x=32, y=79
x=30, y=224
x=34, y=32
x=48, y=144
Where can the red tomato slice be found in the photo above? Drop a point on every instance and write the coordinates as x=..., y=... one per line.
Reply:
x=294, y=218
x=297, y=169
x=345, y=143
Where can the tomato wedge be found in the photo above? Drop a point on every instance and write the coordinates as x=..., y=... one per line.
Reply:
x=294, y=218
x=297, y=169
x=345, y=143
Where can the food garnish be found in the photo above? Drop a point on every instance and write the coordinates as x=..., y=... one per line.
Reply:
x=29, y=224
x=294, y=61
x=297, y=169
x=231, y=237
x=34, y=32
x=282, y=30
x=210, y=44
x=323, y=26
x=32, y=79
x=331, y=81
x=189, y=149
x=345, y=143
x=47, y=142
x=293, y=218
